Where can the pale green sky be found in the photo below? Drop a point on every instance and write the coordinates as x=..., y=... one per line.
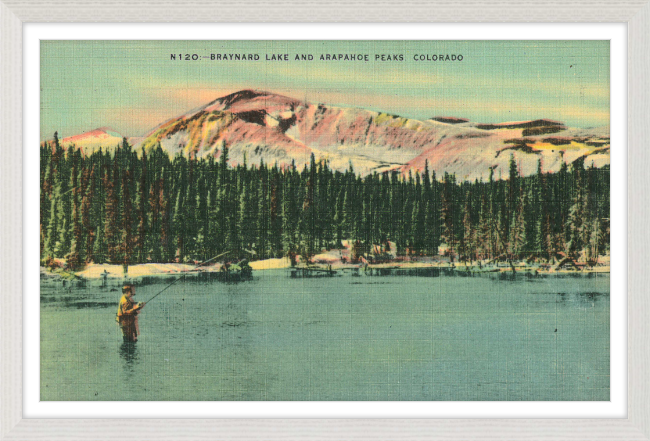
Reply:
x=132, y=86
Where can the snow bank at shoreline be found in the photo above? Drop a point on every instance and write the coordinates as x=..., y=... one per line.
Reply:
x=271, y=264
x=96, y=271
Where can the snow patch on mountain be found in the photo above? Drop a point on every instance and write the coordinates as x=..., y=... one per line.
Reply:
x=261, y=126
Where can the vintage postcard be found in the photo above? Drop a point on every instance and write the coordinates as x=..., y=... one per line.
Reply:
x=325, y=220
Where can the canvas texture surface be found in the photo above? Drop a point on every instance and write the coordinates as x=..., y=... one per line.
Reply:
x=325, y=220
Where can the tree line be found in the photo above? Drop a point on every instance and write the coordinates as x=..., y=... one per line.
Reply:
x=123, y=207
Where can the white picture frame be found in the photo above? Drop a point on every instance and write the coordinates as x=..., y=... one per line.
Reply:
x=13, y=13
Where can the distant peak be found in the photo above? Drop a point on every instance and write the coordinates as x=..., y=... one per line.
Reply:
x=99, y=132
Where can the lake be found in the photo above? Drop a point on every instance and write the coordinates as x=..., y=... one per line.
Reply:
x=487, y=337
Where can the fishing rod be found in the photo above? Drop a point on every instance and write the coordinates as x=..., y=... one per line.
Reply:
x=200, y=264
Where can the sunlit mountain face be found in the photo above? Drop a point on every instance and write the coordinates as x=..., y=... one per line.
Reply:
x=259, y=126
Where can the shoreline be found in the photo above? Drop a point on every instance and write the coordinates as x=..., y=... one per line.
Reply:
x=109, y=274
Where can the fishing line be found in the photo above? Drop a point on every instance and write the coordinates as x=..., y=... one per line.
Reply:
x=181, y=277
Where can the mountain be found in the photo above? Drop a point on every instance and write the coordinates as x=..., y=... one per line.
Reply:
x=90, y=141
x=262, y=126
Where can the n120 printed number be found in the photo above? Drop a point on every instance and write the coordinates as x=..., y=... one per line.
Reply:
x=186, y=57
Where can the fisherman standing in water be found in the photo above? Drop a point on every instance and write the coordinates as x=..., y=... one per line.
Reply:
x=127, y=314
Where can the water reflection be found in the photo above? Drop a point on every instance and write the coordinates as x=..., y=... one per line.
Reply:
x=581, y=298
x=129, y=353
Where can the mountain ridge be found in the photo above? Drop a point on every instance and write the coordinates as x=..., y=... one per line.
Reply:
x=264, y=126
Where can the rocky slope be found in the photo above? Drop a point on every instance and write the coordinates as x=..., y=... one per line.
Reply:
x=259, y=125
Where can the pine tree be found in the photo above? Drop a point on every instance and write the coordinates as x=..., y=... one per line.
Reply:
x=289, y=216
x=100, y=202
x=484, y=233
x=141, y=203
x=126, y=226
x=263, y=222
x=217, y=223
x=47, y=172
x=396, y=212
x=563, y=194
x=347, y=213
x=112, y=224
x=517, y=230
x=87, y=185
x=448, y=214
x=467, y=243
x=191, y=216
x=201, y=202
x=509, y=212
x=594, y=242
x=418, y=217
x=178, y=221
x=432, y=216
x=64, y=210
x=275, y=213
x=417, y=227
x=541, y=240
x=547, y=238
x=577, y=231
x=307, y=222
x=51, y=238
x=76, y=255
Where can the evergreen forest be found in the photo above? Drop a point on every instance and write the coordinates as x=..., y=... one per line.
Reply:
x=127, y=207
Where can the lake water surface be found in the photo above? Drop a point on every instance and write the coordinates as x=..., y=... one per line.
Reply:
x=339, y=338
